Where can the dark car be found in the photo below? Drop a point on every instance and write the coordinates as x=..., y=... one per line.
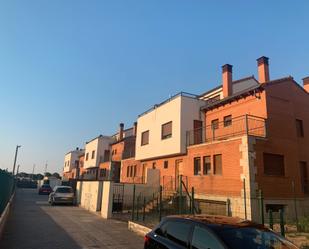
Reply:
x=45, y=189
x=213, y=232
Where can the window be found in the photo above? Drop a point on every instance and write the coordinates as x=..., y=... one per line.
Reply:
x=203, y=239
x=299, y=128
x=178, y=232
x=131, y=171
x=92, y=154
x=166, y=131
x=87, y=155
x=145, y=138
x=218, y=164
x=102, y=172
x=215, y=124
x=197, y=165
x=154, y=165
x=304, y=177
x=106, y=155
x=128, y=171
x=228, y=120
x=273, y=164
x=165, y=164
x=207, y=165
x=134, y=170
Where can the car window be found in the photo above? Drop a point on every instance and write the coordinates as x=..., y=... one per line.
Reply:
x=253, y=238
x=64, y=190
x=176, y=231
x=203, y=239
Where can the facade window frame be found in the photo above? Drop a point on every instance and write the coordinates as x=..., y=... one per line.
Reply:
x=145, y=138
x=167, y=130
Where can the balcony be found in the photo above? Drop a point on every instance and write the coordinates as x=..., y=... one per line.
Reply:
x=242, y=125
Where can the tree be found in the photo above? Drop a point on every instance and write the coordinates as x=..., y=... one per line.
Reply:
x=57, y=175
x=47, y=174
x=39, y=176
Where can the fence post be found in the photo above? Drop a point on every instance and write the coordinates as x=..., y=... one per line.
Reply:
x=144, y=208
x=192, y=205
x=245, y=196
x=160, y=205
x=261, y=202
x=228, y=207
x=281, y=212
x=133, y=204
x=295, y=206
x=137, y=207
x=271, y=221
x=180, y=195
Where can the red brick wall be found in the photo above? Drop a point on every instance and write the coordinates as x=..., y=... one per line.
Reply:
x=285, y=102
x=229, y=182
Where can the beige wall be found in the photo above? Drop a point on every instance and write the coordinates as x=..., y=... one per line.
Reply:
x=89, y=195
x=181, y=111
x=71, y=157
x=99, y=145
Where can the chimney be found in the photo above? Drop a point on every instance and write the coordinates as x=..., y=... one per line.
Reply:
x=227, y=80
x=306, y=84
x=263, y=69
x=121, y=126
x=134, y=128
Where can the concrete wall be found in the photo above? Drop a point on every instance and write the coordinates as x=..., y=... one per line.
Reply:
x=89, y=195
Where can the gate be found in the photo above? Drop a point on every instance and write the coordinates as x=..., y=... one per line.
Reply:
x=118, y=194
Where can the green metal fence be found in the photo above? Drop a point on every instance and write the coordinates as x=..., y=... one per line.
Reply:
x=6, y=189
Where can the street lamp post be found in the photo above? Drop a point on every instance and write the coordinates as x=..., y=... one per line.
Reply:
x=16, y=152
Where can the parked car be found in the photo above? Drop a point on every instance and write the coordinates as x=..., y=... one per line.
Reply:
x=45, y=189
x=61, y=194
x=213, y=232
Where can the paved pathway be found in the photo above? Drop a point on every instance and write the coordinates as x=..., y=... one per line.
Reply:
x=33, y=224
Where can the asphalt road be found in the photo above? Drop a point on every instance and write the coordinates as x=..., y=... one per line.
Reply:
x=33, y=224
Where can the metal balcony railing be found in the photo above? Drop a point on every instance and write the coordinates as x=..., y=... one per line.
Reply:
x=247, y=124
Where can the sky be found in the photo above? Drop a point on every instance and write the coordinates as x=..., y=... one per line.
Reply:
x=71, y=70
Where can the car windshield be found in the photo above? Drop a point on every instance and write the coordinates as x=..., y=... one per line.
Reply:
x=64, y=190
x=253, y=238
x=45, y=186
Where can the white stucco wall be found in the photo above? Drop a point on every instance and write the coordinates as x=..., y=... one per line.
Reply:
x=71, y=157
x=99, y=145
x=181, y=111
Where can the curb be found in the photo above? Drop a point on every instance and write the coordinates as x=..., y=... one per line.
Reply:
x=137, y=228
x=5, y=214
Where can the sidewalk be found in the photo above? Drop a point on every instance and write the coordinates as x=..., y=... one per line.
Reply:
x=35, y=224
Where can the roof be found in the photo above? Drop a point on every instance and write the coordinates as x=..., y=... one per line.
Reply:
x=233, y=97
x=234, y=82
x=217, y=219
x=183, y=94
x=100, y=136
x=246, y=92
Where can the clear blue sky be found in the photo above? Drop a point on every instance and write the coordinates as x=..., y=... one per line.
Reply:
x=70, y=70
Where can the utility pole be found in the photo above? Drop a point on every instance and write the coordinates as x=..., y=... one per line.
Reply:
x=45, y=170
x=33, y=170
x=16, y=152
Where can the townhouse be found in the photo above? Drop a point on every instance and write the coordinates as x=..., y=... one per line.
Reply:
x=122, y=147
x=241, y=137
x=72, y=164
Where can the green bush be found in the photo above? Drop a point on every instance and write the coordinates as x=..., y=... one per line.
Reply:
x=304, y=224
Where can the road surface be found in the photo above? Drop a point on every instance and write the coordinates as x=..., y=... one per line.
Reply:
x=33, y=224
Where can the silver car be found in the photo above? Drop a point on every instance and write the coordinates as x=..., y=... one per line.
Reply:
x=61, y=194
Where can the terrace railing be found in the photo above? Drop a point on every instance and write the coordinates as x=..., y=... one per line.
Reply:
x=247, y=124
